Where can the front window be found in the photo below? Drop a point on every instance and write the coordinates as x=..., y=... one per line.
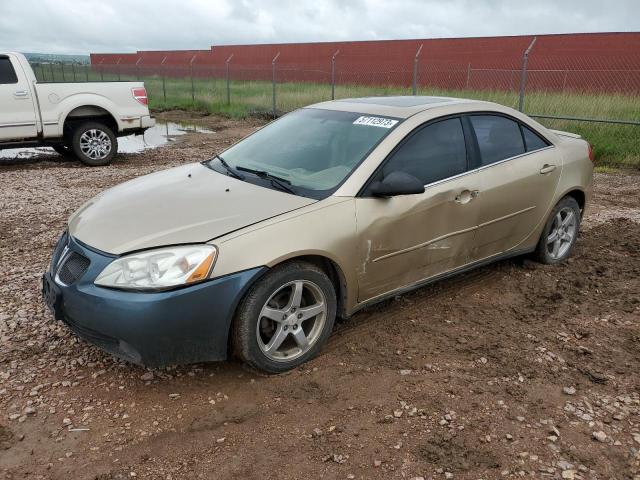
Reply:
x=312, y=151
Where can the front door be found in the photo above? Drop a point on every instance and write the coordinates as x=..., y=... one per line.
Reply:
x=17, y=112
x=405, y=239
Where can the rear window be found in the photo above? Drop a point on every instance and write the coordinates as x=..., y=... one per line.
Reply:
x=498, y=137
x=7, y=73
x=532, y=140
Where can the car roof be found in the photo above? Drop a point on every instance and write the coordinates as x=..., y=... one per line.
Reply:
x=398, y=106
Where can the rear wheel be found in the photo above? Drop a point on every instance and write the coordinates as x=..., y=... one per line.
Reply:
x=560, y=233
x=285, y=318
x=94, y=144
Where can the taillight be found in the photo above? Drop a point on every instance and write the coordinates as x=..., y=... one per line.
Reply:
x=140, y=94
x=591, y=155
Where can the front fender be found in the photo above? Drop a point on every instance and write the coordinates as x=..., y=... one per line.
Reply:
x=325, y=230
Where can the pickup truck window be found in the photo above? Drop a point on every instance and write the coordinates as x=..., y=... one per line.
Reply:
x=7, y=73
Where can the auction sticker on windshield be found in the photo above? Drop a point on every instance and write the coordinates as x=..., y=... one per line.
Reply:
x=375, y=122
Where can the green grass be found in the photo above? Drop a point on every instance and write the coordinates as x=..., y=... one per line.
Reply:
x=616, y=146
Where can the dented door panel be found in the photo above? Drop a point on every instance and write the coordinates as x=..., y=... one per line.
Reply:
x=405, y=239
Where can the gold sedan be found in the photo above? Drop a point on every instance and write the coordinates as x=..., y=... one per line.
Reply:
x=325, y=211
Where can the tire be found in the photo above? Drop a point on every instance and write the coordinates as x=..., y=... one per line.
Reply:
x=556, y=245
x=94, y=144
x=274, y=343
x=63, y=149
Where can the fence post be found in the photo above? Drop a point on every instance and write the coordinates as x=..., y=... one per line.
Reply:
x=273, y=81
x=523, y=73
x=226, y=64
x=53, y=78
x=415, y=70
x=101, y=71
x=333, y=75
x=73, y=69
x=138, y=69
x=118, y=67
x=86, y=72
x=193, y=92
x=164, y=77
x=64, y=78
x=468, y=76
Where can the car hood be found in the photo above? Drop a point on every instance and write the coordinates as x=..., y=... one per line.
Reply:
x=187, y=204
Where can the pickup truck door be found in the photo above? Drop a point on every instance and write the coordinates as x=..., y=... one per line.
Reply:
x=17, y=110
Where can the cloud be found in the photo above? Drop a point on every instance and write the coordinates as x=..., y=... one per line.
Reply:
x=83, y=26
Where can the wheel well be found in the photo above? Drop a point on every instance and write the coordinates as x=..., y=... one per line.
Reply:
x=335, y=274
x=85, y=113
x=579, y=197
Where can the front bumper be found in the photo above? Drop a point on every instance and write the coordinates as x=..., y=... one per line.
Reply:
x=154, y=329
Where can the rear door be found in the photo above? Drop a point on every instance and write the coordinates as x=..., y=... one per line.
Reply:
x=17, y=111
x=518, y=174
x=405, y=239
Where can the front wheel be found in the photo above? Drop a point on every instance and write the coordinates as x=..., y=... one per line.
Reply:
x=285, y=318
x=560, y=233
x=94, y=144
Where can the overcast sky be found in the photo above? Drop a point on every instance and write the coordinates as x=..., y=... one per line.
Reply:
x=84, y=26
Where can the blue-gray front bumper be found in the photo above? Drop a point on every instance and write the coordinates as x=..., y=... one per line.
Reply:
x=154, y=329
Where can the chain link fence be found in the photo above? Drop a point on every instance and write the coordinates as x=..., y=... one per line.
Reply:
x=595, y=95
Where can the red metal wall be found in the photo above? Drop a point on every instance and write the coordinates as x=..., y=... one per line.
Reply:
x=596, y=61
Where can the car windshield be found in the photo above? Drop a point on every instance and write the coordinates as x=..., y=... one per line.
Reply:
x=309, y=151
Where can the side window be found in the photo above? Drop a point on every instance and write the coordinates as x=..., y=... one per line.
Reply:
x=435, y=152
x=7, y=73
x=498, y=138
x=532, y=140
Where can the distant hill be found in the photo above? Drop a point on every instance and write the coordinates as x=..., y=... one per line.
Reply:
x=56, y=58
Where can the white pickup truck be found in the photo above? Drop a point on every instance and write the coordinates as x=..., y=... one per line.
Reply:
x=83, y=119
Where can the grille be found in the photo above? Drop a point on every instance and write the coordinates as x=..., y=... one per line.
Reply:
x=72, y=268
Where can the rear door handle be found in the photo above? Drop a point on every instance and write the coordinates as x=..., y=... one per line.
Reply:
x=466, y=196
x=547, y=168
x=20, y=93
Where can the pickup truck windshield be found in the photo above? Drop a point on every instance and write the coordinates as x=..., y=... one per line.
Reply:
x=312, y=150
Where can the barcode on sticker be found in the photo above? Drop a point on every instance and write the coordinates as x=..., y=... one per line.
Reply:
x=376, y=122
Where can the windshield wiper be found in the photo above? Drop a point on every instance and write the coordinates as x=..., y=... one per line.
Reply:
x=227, y=167
x=280, y=182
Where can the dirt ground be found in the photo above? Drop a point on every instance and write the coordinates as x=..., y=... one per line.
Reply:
x=514, y=370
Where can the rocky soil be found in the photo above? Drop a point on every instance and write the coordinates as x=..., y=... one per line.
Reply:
x=516, y=370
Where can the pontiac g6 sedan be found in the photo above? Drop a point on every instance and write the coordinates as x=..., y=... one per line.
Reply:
x=325, y=211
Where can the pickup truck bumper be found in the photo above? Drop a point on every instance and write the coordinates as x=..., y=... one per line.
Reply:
x=147, y=121
x=138, y=127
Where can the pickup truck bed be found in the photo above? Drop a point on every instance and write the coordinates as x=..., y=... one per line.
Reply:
x=76, y=117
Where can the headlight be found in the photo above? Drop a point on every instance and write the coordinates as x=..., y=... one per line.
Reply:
x=159, y=269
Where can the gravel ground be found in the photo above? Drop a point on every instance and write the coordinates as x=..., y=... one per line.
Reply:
x=514, y=370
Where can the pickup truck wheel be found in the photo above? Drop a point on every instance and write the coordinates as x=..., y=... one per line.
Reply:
x=94, y=144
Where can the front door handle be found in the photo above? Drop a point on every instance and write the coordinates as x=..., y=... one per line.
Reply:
x=547, y=168
x=20, y=93
x=466, y=196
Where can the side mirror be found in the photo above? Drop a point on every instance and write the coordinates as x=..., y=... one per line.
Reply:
x=397, y=183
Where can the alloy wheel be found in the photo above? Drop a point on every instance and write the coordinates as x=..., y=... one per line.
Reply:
x=562, y=234
x=95, y=144
x=292, y=320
